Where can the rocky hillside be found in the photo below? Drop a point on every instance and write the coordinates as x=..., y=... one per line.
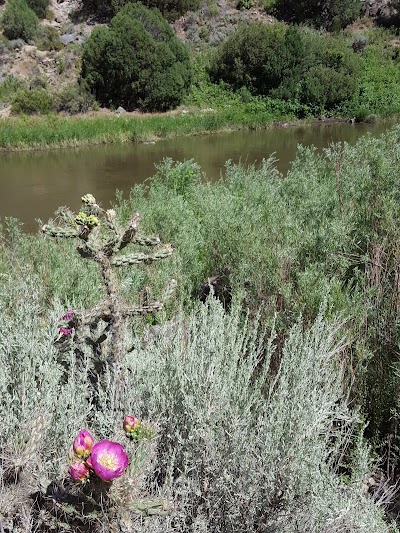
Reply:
x=53, y=59
x=33, y=61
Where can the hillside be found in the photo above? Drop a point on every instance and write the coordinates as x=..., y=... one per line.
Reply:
x=43, y=69
x=37, y=63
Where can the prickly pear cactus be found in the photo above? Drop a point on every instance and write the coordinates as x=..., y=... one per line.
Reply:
x=101, y=238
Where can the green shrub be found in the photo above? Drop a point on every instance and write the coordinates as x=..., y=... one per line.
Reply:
x=379, y=82
x=39, y=7
x=288, y=63
x=48, y=38
x=242, y=58
x=171, y=9
x=244, y=4
x=19, y=21
x=136, y=62
x=73, y=99
x=32, y=101
x=9, y=86
x=329, y=14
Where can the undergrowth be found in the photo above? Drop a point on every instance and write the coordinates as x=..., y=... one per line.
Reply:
x=251, y=406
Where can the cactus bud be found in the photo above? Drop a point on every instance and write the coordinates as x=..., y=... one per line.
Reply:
x=111, y=215
x=78, y=471
x=83, y=444
x=88, y=199
x=130, y=424
x=82, y=219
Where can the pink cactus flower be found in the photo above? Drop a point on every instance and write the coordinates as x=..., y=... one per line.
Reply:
x=131, y=423
x=109, y=459
x=65, y=331
x=68, y=315
x=78, y=470
x=83, y=444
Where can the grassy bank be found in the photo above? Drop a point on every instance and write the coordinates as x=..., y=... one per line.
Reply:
x=29, y=133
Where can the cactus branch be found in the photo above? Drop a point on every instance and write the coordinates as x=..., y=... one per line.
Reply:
x=100, y=238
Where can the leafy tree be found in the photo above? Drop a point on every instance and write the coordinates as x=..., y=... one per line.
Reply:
x=19, y=21
x=329, y=14
x=290, y=64
x=323, y=75
x=243, y=59
x=136, y=61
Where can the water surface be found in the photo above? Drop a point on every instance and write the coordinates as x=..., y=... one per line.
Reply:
x=34, y=184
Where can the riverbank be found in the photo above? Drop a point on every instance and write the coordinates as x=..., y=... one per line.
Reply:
x=54, y=131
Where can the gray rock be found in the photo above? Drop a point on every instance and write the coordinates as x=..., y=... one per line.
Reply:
x=67, y=38
x=120, y=111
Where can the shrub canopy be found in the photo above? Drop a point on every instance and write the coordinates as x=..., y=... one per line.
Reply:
x=329, y=14
x=39, y=7
x=288, y=63
x=136, y=62
x=170, y=9
x=19, y=21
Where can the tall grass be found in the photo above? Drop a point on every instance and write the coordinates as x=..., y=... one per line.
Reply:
x=27, y=133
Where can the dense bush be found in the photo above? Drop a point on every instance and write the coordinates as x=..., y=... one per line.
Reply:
x=48, y=38
x=171, y=9
x=136, y=62
x=39, y=7
x=242, y=443
x=288, y=63
x=241, y=60
x=73, y=99
x=379, y=81
x=331, y=224
x=32, y=102
x=9, y=85
x=19, y=21
x=330, y=14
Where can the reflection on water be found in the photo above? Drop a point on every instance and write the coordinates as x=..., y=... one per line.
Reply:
x=34, y=184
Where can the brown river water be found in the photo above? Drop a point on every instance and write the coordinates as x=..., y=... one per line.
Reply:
x=34, y=184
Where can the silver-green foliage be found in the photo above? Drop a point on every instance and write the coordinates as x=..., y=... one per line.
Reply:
x=247, y=441
x=250, y=441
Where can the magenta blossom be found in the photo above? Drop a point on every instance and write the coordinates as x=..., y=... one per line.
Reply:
x=65, y=331
x=130, y=423
x=68, y=315
x=83, y=444
x=108, y=459
x=78, y=470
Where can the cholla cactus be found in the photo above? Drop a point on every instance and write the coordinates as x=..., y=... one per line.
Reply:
x=101, y=238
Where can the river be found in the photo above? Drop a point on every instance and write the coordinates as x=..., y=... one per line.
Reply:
x=34, y=184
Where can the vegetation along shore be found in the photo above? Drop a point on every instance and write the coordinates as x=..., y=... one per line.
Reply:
x=189, y=68
x=226, y=414
x=202, y=357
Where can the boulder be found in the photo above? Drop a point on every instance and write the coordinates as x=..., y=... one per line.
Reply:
x=67, y=38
